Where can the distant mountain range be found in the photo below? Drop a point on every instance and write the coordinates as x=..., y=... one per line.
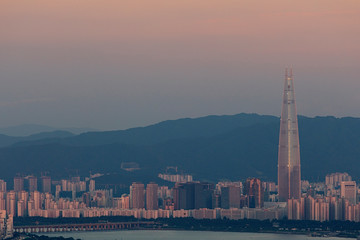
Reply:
x=31, y=129
x=6, y=141
x=210, y=148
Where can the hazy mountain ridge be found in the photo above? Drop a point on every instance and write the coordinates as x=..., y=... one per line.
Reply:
x=10, y=140
x=26, y=130
x=237, y=151
x=164, y=131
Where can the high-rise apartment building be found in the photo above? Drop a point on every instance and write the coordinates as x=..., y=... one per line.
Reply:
x=289, y=178
x=152, y=196
x=2, y=186
x=254, y=192
x=11, y=203
x=57, y=191
x=18, y=183
x=32, y=180
x=21, y=208
x=125, y=201
x=348, y=191
x=64, y=185
x=179, y=197
x=137, y=193
x=23, y=197
x=230, y=197
x=36, y=197
x=193, y=195
x=46, y=184
x=92, y=185
x=122, y=202
x=2, y=201
x=203, y=195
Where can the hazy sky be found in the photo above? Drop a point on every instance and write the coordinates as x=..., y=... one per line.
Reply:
x=114, y=64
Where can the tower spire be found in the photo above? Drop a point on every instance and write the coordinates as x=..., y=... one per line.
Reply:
x=289, y=179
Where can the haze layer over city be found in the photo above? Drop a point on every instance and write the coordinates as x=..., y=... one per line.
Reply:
x=115, y=65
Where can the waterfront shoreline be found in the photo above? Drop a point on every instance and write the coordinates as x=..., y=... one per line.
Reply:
x=318, y=234
x=308, y=234
x=338, y=229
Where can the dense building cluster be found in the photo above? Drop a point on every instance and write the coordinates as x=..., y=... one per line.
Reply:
x=334, y=199
x=79, y=198
x=338, y=200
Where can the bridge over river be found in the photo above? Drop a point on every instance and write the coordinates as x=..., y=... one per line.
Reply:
x=69, y=227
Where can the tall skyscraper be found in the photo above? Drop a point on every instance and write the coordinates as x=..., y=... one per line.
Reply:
x=18, y=183
x=152, y=196
x=184, y=196
x=348, y=191
x=46, y=184
x=193, y=195
x=230, y=197
x=2, y=186
x=137, y=192
x=2, y=201
x=36, y=197
x=203, y=195
x=179, y=196
x=21, y=208
x=32, y=183
x=23, y=197
x=11, y=203
x=254, y=192
x=289, y=179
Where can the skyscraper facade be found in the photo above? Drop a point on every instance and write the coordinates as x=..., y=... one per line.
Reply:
x=152, y=196
x=36, y=197
x=137, y=192
x=193, y=195
x=2, y=186
x=18, y=183
x=289, y=178
x=2, y=201
x=46, y=184
x=348, y=191
x=32, y=183
x=230, y=197
x=254, y=192
x=11, y=203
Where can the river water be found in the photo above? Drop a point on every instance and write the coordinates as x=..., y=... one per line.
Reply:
x=181, y=235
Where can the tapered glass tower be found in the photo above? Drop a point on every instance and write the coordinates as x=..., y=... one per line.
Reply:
x=289, y=179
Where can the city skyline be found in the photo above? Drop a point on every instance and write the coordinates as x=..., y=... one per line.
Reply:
x=164, y=115
x=336, y=198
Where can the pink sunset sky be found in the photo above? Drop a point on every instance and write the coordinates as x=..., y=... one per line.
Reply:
x=114, y=64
